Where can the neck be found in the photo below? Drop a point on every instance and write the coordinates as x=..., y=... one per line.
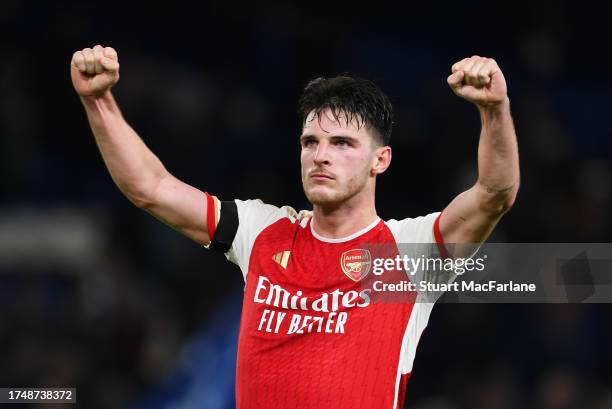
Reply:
x=336, y=222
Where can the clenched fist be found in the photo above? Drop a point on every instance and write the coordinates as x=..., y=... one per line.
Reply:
x=94, y=71
x=478, y=80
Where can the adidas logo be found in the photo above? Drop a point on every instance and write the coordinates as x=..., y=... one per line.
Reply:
x=282, y=258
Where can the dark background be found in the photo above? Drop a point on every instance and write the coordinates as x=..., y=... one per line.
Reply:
x=97, y=294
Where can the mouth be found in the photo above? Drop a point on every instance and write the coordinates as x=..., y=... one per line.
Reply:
x=321, y=176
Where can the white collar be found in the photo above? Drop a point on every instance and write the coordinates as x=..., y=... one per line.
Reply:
x=343, y=239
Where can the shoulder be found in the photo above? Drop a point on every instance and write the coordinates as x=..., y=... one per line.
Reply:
x=414, y=230
x=257, y=210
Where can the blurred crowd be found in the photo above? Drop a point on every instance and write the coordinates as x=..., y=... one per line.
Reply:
x=97, y=294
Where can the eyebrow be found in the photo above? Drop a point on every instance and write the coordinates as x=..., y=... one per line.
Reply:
x=333, y=137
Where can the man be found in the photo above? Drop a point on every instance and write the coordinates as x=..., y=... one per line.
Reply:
x=314, y=333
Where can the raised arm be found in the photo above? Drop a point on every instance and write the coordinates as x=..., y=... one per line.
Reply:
x=137, y=172
x=472, y=215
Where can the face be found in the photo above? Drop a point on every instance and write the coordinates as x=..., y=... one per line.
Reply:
x=339, y=160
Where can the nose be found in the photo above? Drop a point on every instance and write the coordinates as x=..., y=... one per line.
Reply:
x=321, y=156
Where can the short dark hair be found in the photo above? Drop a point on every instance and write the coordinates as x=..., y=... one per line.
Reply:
x=357, y=98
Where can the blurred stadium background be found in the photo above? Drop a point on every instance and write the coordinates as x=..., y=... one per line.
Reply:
x=97, y=294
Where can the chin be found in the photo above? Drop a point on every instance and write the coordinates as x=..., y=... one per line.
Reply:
x=323, y=197
x=319, y=196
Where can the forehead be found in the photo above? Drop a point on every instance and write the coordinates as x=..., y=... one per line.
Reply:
x=325, y=123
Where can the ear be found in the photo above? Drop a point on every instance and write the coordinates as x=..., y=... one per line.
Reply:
x=381, y=160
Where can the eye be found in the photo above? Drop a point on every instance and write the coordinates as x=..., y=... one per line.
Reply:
x=342, y=143
x=306, y=143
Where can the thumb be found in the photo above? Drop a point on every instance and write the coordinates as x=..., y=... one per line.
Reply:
x=455, y=79
x=109, y=65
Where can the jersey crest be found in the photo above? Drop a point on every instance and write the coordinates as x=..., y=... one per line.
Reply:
x=356, y=263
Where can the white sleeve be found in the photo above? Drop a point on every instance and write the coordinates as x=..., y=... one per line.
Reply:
x=253, y=217
x=415, y=239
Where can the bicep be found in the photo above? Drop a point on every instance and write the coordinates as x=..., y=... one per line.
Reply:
x=464, y=221
x=182, y=207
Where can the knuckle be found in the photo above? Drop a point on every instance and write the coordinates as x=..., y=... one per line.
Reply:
x=77, y=57
x=110, y=52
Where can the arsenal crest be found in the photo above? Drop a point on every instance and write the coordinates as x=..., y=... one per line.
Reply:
x=356, y=263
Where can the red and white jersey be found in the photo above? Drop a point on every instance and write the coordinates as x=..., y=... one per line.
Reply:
x=313, y=333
